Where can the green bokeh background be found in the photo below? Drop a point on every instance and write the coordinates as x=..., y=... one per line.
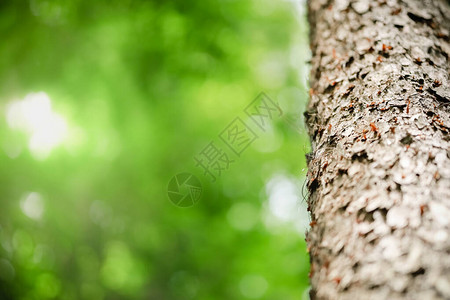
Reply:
x=143, y=87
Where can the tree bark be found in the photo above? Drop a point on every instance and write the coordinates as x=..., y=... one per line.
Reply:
x=379, y=171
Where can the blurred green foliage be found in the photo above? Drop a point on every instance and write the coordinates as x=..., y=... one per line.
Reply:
x=138, y=89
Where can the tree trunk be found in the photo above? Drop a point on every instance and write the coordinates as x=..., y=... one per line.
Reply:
x=379, y=171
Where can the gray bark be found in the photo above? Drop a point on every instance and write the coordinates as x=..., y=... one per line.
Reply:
x=379, y=171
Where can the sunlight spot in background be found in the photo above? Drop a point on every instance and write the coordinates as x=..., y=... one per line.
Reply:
x=253, y=286
x=32, y=205
x=34, y=115
x=285, y=204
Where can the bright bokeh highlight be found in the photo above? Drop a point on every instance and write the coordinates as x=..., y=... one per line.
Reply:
x=34, y=115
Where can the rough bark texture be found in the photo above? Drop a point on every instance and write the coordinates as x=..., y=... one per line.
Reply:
x=379, y=172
